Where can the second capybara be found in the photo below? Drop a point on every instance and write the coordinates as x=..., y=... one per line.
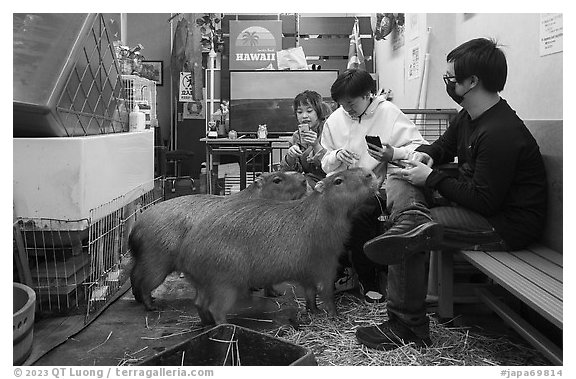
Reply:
x=163, y=226
x=255, y=243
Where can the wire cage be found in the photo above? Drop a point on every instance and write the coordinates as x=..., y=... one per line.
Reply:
x=66, y=77
x=77, y=266
x=431, y=123
x=142, y=92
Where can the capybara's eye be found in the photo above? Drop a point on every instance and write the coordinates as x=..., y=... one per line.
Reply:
x=277, y=180
x=338, y=181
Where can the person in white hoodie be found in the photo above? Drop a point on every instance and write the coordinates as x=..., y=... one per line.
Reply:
x=360, y=114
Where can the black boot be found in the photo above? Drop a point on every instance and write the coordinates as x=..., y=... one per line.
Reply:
x=411, y=232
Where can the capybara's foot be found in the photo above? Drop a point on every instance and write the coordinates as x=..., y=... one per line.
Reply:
x=206, y=318
x=149, y=303
x=270, y=291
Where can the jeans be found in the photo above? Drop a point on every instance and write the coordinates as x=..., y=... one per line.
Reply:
x=400, y=196
x=407, y=281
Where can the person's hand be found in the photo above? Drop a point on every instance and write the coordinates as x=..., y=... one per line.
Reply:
x=381, y=154
x=347, y=157
x=415, y=172
x=308, y=138
x=419, y=156
x=294, y=151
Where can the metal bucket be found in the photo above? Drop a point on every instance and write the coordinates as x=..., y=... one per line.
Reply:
x=23, y=323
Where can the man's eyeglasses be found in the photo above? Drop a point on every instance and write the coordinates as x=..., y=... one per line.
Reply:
x=449, y=79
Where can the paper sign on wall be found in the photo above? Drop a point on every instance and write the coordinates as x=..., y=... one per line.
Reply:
x=551, y=33
x=186, y=87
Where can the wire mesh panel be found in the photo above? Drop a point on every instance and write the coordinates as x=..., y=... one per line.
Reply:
x=430, y=122
x=66, y=76
x=77, y=266
x=89, y=98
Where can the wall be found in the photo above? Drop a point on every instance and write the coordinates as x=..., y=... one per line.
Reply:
x=152, y=30
x=534, y=86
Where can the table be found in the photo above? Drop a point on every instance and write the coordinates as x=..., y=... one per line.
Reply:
x=247, y=150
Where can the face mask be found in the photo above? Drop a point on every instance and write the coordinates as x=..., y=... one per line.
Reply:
x=451, y=90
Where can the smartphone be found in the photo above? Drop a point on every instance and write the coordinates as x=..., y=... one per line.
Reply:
x=374, y=140
x=304, y=128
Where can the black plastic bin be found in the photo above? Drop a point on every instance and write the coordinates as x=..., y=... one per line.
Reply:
x=232, y=345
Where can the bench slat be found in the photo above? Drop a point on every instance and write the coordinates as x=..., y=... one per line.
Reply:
x=548, y=306
x=535, y=260
x=533, y=274
x=547, y=253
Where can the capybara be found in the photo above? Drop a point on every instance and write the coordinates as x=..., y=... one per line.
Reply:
x=164, y=225
x=255, y=243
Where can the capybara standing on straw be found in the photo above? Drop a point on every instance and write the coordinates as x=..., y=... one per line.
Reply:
x=163, y=227
x=254, y=243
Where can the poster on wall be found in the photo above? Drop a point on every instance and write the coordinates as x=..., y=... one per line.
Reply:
x=186, y=87
x=254, y=43
x=413, y=62
x=194, y=110
x=551, y=33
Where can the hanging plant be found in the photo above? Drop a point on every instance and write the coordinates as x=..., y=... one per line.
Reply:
x=212, y=34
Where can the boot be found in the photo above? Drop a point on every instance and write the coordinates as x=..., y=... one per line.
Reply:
x=411, y=232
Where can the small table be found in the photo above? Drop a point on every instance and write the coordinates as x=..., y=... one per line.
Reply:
x=241, y=147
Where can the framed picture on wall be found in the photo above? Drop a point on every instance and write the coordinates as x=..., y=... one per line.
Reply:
x=152, y=70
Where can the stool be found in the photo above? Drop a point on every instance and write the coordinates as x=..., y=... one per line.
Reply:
x=177, y=157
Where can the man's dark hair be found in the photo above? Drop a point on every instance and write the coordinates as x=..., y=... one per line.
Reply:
x=483, y=58
x=352, y=83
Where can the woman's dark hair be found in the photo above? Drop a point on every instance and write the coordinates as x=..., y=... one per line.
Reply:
x=352, y=83
x=312, y=98
x=483, y=58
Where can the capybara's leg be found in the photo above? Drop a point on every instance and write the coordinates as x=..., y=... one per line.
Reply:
x=201, y=303
x=134, y=283
x=146, y=279
x=310, y=295
x=221, y=301
x=327, y=296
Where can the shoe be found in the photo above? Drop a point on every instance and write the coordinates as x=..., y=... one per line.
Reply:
x=346, y=281
x=389, y=335
x=412, y=232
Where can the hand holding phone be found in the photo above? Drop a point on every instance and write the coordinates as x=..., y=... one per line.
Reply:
x=385, y=155
x=374, y=140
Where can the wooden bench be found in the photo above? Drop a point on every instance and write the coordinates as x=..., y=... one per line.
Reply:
x=533, y=275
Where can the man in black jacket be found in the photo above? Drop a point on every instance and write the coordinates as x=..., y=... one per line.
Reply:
x=497, y=201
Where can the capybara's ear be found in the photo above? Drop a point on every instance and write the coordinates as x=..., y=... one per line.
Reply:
x=319, y=187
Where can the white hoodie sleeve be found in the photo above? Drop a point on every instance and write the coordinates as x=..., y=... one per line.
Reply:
x=329, y=161
x=405, y=137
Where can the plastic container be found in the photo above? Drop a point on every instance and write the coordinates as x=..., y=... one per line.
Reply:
x=137, y=120
x=23, y=322
x=232, y=345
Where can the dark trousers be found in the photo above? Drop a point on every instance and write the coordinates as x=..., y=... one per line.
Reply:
x=407, y=281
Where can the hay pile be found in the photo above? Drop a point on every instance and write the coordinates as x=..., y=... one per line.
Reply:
x=333, y=341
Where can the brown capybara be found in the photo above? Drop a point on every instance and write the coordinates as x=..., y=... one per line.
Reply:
x=163, y=226
x=255, y=243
